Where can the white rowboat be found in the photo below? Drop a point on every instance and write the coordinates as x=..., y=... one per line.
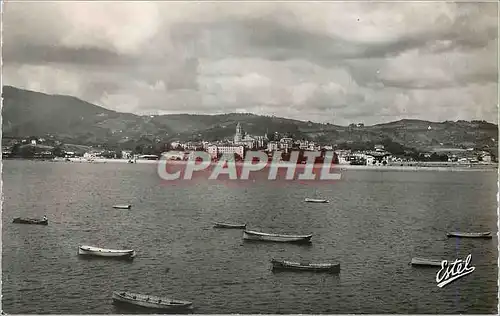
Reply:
x=109, y=253
x=150, y=301
x=316, y=200
x=471, y=235
x=426, y=262
x=258, y=236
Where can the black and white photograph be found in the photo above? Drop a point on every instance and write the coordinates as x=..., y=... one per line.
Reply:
x=249, y=157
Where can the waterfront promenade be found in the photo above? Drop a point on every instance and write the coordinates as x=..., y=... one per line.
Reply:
x=406, y=166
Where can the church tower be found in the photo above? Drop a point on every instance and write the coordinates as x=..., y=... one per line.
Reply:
x=239, y=134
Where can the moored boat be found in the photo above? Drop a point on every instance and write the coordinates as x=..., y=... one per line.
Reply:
x=227, y=225
x=426, y=262
x=123, y=206
x=108, y=253
x=150, y=301
x=33, y=221
x=300, y=266
x=258, y=236
x=470, y=235
x=316, y=200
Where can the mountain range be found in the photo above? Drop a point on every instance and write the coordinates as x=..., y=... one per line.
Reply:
x=69, y=119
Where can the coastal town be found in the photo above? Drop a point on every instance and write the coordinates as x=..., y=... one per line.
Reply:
x=237, y=146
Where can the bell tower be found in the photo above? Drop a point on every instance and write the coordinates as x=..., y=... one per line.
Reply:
x=239, y=134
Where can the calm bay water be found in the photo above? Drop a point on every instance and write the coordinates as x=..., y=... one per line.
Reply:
x=375, y=223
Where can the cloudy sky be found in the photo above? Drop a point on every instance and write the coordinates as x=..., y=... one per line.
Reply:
x=337, y=62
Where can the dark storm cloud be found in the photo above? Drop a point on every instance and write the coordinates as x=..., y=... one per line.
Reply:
x=85, y=56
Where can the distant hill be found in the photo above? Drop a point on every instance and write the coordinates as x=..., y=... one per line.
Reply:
x=27, y=113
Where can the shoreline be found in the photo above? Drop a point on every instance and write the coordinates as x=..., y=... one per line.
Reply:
x=418, y=166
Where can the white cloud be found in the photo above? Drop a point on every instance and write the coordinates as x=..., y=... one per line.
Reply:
x=346, y=61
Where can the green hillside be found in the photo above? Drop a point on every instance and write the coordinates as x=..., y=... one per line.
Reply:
x=28, y=113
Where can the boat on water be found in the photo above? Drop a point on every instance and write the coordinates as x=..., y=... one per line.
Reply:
x=426, y=262
x=471, y=235
x=150, y=301
x=108, y=253
x=300, y=266
x=316, y=200
x=33, y=221
x=123, y=206
x=258, y=236
x=227, y=225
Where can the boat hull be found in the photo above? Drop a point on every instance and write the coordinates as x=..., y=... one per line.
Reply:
x=486, y=235
x=256, y=236
x=149, y=301
x=95, y=252
x=296, y=266
x=31, y=221
x=316, y=201
x=229, y=226
x=123, y=207
x=425, y=262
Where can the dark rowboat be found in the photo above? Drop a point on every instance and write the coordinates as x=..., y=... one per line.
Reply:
x=150, y=301
x=124, y=207
x=471, y=235
x=316, y=200
x=258, y=236
x=33, y=221
x=298, y=266
x=226, y=225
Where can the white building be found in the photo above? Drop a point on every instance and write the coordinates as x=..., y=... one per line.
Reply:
x=486, y=158
x=272, y=146
x=214, y=151
x=260, y=141
x=89, y=155
x=286, y=143
x=343, y=156
x=175, y=144
x=240, y=150
x=191, y=146
x=370, y=160
x=379, y=147
x=173, y=155
x=313, y=146
x=126, y=154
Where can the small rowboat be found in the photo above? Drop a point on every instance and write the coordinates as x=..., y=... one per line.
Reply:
x=470, y=235
x=33, y=221
x=316, y=267
x=150, y=301
x=258, y=236
x=426, y=262
x=233, y=226
x=108, y=253
x=316, y=200
x=123, y=206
